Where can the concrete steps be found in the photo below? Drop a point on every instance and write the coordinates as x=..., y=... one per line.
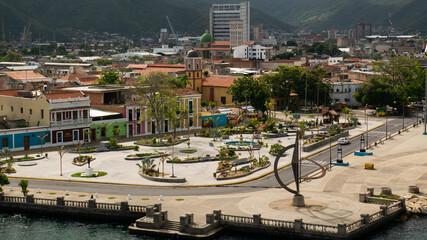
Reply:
x=171, y=226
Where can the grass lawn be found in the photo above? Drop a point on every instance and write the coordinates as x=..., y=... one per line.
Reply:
x=100, y=174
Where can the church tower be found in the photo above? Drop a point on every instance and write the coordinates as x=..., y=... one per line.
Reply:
x=193, y=70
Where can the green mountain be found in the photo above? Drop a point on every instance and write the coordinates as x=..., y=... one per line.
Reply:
x=139, y=17
x=344, y=14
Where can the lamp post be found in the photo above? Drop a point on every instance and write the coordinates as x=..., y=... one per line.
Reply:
x=386, y=130
x=339, y=152
x=305, y=100
x=330, y=152
x=366, y=119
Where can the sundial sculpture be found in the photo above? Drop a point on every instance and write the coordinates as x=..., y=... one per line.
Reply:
x=298, y=199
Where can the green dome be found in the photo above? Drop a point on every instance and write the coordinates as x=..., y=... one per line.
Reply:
x=206, y=38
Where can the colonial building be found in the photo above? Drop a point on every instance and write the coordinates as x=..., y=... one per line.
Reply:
x=193, y=70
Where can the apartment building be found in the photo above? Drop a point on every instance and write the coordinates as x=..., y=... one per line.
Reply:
x=222, y=14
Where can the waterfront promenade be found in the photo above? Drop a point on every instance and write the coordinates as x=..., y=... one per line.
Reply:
x=330, y=200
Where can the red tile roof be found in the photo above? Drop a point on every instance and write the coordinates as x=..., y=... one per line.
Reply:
x=22, y=75
x=219, y=81
x=166, y=66
x=184, y=91
x=137, y=66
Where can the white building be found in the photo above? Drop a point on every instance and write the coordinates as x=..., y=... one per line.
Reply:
x=252, y=51
x=343, y=92
x=335, y=60
x=220, y=16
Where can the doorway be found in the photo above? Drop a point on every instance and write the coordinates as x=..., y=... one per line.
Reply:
x=27, y=143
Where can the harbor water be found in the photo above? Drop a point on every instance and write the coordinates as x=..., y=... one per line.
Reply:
x=19, y=226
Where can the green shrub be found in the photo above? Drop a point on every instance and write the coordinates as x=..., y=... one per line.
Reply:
x=275, y=149
x=113, y=143
x=154, y=141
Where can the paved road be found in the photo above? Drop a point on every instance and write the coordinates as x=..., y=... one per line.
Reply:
x=266, y=182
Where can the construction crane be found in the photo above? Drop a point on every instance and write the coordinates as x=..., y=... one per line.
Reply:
x=173, y=31
x=26, y=34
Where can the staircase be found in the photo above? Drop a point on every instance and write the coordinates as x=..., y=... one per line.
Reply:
x=171, y=226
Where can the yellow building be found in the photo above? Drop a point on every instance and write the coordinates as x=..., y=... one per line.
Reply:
x=190, y=100
x=193, y=70
x=215, y=89
x=27, y=105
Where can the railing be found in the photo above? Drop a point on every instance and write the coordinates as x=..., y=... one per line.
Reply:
x=236, y=219
x=134, y=208
x=15, y=199
x=70, y=122
x=44, y=201
x=277, y=223
x=355, y=225
x=108, y=206
x=78, y=204
x=380, y=201
x=319, y=228
x=394, y=207
x=375, y=216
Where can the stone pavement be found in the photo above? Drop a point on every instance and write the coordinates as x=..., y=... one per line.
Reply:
x=123, y=171
x=330, y=200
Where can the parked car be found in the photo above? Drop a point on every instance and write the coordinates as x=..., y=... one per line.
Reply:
x=343, y=141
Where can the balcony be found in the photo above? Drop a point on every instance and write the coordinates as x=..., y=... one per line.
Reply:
x=70, y=122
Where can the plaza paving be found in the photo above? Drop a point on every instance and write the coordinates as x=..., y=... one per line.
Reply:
x=124, y=171
x=330, y=200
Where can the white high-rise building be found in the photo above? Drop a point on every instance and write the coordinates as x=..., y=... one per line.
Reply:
x=222, y=14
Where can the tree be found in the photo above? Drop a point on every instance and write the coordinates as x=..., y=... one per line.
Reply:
x=4, y=180
x=282, y=81
x=24, y=186
x=375, y=92
x=11, y=57
x=287, y=114
x=256, y=91
x=286, y=55
x=61, y=153
x=104, y=61
x=110, y=77
x=42, y=137
x=324, y=48
x=155, y=91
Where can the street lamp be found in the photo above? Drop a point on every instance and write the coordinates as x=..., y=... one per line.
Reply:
x=305, y=100
x=362, y=143
x=366, y=120
x=330, y=152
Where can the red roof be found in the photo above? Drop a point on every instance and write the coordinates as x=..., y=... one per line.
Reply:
x=219, y=81
x=184, y=91
x=13, y=93
x=137, y=66
x=22, y=75
x=166, y=66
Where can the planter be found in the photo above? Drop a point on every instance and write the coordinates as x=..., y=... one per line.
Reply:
x=160, y=145
x=311, y=147
x=77, y=162
x=166, y=179
x=189, y=151
x=221, y=177
x=274, y=135
x=133, y=157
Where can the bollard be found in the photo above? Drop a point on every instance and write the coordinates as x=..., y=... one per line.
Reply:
x=161, y=198
x=67, y=193
x=38, y=190
x=96, y=195
x=129, y=198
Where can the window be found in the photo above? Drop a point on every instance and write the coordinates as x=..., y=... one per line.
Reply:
x=42, y=116
x=138, y=114
x=223, y=100
x=22, y=110
x=31, y=111
x=2, y=107
x=5, y=142
x=191, y=122
x=11, y=109
x=59, y=137
x=75, y=135
x=190, y=106
x=85, y=114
